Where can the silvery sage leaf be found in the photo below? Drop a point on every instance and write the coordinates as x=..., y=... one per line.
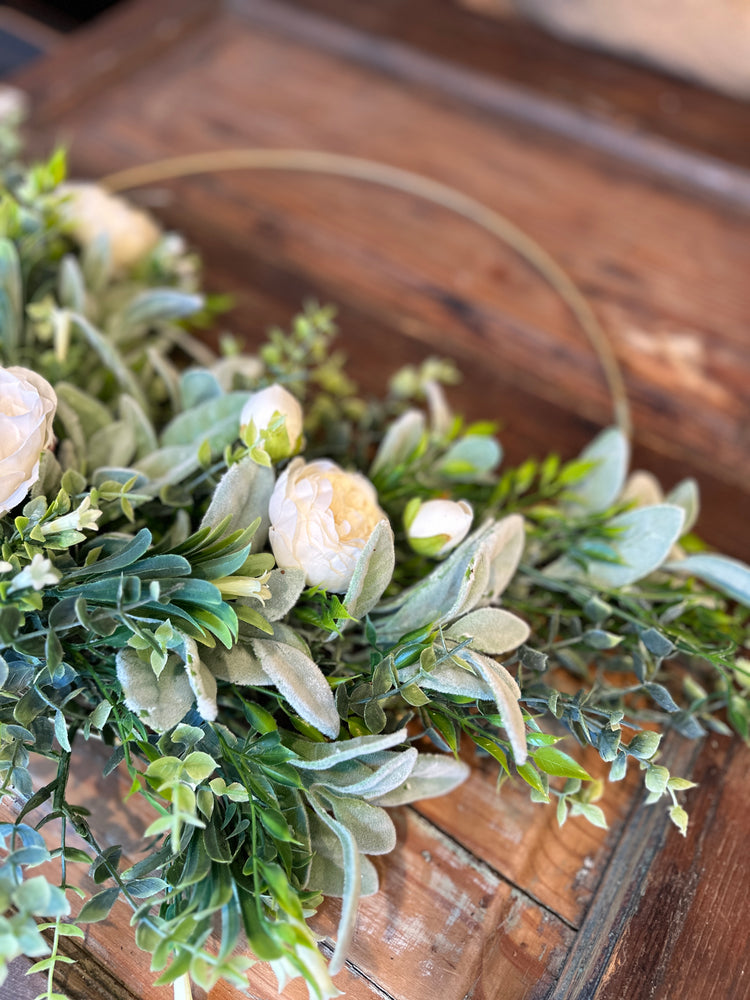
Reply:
x=600, y=488
x=478, y=569
x=320, y=756
x=506, y=693
x=730, y=576
x=372, y=572
x=114, y=444
x=159, y=305
x=491, y=630
x=168, y=466
x=237, y=665
x=285, y=585
x=433, y=774
x=242, y=494
x=300, y=680
x=202, y=681
x=198, y=385
x=370, y=826
x=145, y=436
x=385, y=778
x=161, y=703
x=326, y=873
x=646, y=537
x=216, y=421
x=449, y=678
x=351, y=888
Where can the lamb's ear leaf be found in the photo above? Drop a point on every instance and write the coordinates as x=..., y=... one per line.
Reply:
x=601, y=486
x=372, y=573
x=432, y=775
x=506, y=693
x=371, y=826
x=351, y=888
x=160, y=702
x=242, y=494
x=285, y=585
x=202, y=681
x=300, y=680
x=730, y=576
x=686, y=495
x=237, y=665
x=491, y=630
x=321, y=756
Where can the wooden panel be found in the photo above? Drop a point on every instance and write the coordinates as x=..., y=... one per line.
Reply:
x=636, y=101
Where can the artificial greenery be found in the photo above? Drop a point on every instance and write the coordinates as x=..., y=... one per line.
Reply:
x=266, y=724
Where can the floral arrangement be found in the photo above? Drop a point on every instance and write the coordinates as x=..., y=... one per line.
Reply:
x=284, y=608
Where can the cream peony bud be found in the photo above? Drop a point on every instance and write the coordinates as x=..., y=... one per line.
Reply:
x=27, y=409
x=437, y=526
x=91, y=212
x=321, y=518
x=263, y=411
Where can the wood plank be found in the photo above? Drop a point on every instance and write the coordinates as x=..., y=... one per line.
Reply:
x=689, y=936
x=635, y=100
x=559, y=867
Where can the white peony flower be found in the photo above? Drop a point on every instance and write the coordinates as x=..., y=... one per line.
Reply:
x=27, y=409
x=321, y=519
x=260, y=422
x=92, y=212
x=437, y=526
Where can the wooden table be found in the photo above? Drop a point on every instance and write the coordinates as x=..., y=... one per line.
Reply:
x=484, y=898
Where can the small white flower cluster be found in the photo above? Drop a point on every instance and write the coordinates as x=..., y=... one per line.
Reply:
x=322, y=516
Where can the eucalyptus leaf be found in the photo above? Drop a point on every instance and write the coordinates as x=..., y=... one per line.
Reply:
x=598, y=490
x=730, y=576
x=646, y=536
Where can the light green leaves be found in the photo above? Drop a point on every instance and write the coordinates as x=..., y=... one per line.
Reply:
x=599, y=489
x=643, y=541
x=728, y=575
